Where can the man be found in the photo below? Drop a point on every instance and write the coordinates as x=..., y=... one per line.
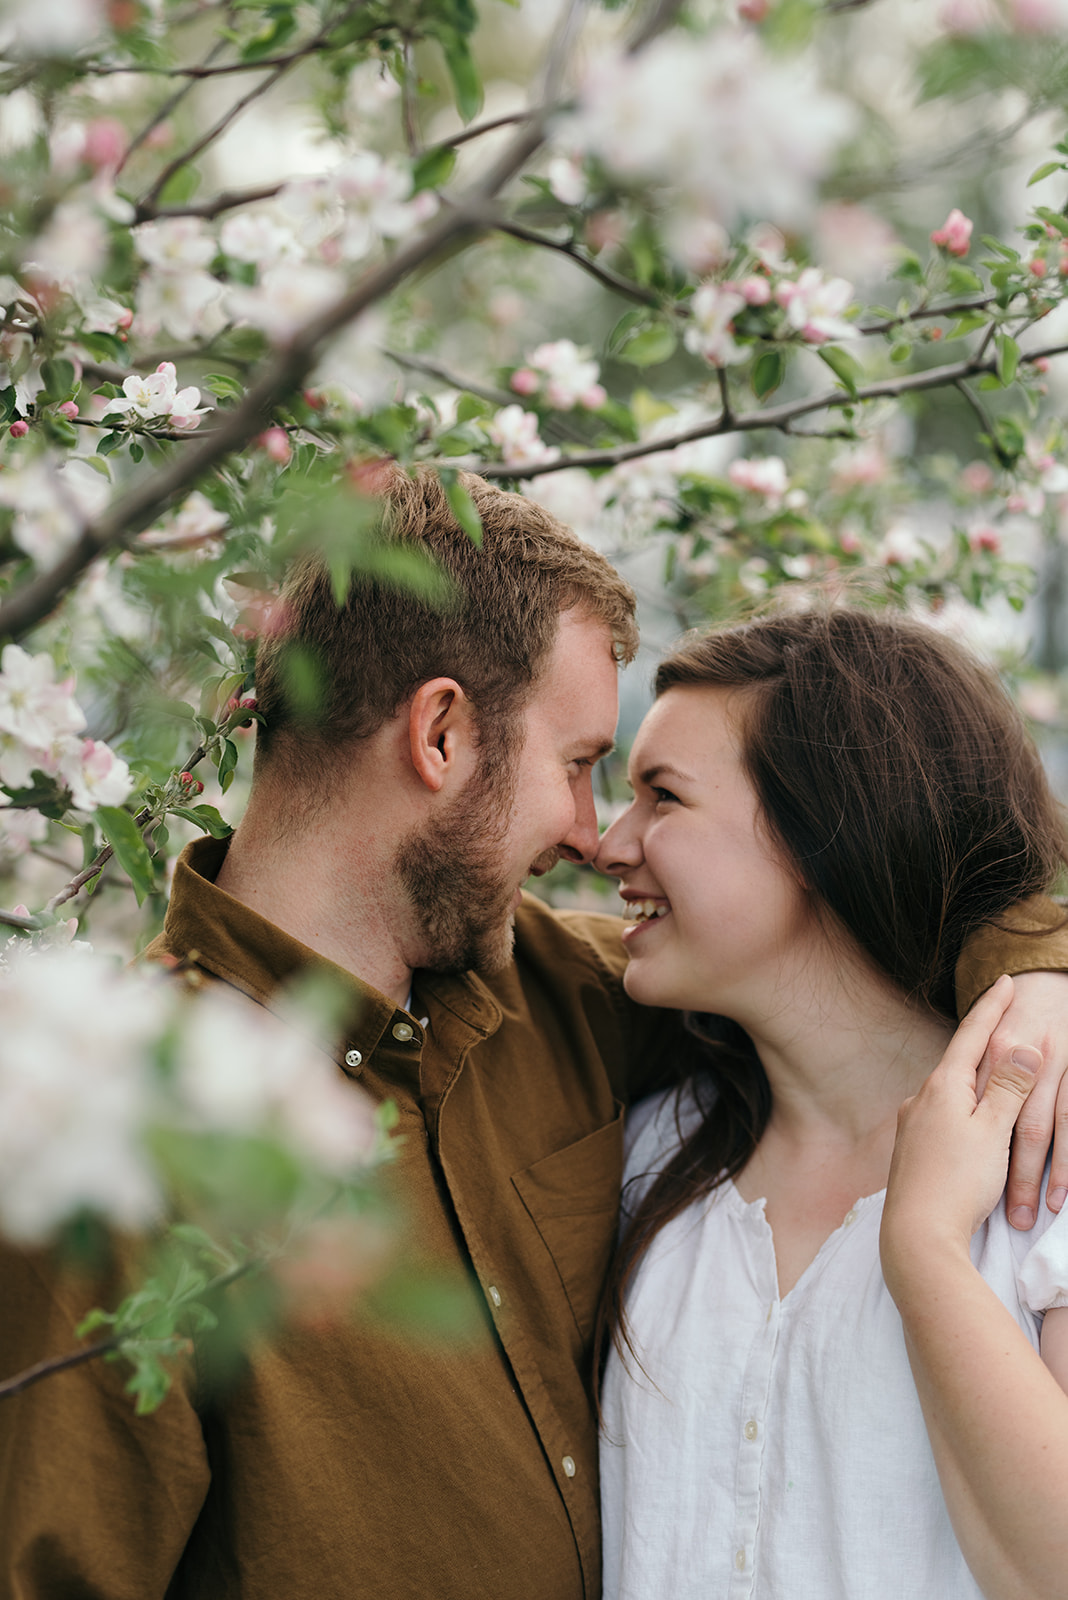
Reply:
x=386, y=842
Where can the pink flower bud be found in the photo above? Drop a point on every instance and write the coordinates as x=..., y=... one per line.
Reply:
x=275, y=441
x=190, y=784
x=755, y=290
x=523, y=381
x=1037, y=267
x=955, y=234
x=977, y=478
x=985, y=539
x=753, y=10
x=594, y=397
x=1040, y=364
x=19, y=429
x=248, y=703
x=68, y=409
x=105, y=143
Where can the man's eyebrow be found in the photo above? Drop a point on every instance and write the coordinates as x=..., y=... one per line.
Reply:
x=595, y=752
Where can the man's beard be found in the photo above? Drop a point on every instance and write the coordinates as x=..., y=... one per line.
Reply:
x=453, y=874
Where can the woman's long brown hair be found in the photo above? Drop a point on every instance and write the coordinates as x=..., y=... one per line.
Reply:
x=896, y=775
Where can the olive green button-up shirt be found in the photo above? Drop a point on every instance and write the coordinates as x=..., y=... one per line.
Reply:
x=369, y=1458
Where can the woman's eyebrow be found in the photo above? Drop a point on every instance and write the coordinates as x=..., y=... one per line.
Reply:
x=662, y=769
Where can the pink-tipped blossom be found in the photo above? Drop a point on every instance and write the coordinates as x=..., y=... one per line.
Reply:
x=763, y=475
x=19, y=429
x=977, y=478
x=711, y=330
x=515, y=433
x=68, y=409
x=955, y=234
x=275, y=442
x=814, y=306
x=985, y=539
x=524, y=381
x=157, y=397
x=105, y=143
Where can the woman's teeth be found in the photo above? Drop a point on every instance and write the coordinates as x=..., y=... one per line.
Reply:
x=646, y=910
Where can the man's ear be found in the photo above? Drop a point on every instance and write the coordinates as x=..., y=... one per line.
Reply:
x=442, y=734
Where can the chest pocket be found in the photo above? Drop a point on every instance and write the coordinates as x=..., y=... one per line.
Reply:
x=572, y=1197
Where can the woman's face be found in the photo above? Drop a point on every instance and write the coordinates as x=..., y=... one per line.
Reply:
x=714, y=914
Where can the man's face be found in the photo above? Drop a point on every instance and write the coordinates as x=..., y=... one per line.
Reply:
x=463, y=872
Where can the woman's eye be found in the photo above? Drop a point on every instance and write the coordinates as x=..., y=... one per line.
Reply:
x=662, y=796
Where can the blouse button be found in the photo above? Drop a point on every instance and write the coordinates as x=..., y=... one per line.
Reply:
x=739, y=1560
x=750, y=1430
x=850, y=1216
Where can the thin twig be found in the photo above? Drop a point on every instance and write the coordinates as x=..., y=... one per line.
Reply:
x=163, y=112
x=146, y=207
x=408, y=117
x=45, y=1369
x=228, y=200
x=610, y=280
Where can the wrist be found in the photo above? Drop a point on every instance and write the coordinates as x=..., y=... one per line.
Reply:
x=920, y=1255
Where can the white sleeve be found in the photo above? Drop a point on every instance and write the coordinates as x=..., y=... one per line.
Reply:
x=655, y=1128
x=1043, y=1274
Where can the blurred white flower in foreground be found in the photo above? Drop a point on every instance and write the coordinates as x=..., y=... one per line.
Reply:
x=83, y=1094
x=52, y=501
x=39, y=724
x=728, y=126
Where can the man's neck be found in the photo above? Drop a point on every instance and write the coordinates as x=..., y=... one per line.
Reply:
x=317, y=895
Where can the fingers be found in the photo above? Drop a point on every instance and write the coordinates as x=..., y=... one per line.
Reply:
x=1031, y=1138
x=969, y=1044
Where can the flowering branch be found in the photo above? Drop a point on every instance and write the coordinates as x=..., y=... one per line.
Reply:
x=45, y=1369
x=774, y=417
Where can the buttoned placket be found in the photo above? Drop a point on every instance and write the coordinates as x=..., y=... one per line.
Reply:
x=752, y=1416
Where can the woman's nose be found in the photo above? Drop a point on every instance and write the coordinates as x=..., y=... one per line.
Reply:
x=620, y=847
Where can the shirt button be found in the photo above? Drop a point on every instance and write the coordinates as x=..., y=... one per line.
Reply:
x=568, y=1464
x=750, y=1430
x=353, y=1058
x=402, y=1031
x=850, y=1216
x=739, y=1560
x=494, y=1294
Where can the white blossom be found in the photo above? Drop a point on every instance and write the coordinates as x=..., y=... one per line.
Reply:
x=53, y=502
x=50, y=27
x=814, y=306
x=93, y=773
x=159, y=396
x=20, y=830
x=185, y=303
x=719, y=119
x=515, y=432
x=376, y=194
x=287, y=296
x=711, y=329
x=763, y=475
x=175, y=244
x=258, y=237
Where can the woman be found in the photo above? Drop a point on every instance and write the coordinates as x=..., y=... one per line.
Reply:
x=826, y=804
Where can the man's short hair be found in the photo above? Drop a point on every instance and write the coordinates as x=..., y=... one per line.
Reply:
x=493, y=631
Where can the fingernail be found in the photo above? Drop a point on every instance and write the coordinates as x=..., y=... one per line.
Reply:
x=1022, y=1217
x=1027, y=1058
x=1056, y=1198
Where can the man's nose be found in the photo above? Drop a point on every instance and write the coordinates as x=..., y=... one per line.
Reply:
x=582, y=838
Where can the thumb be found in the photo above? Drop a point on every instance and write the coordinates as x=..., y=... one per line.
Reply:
x=1011, y=1081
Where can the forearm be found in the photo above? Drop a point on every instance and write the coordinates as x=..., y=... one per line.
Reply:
x=998, y=1424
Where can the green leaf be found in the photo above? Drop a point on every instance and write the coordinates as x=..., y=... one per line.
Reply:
x=466, y=82
x=8, y=403
x=137, y=452
x=1008, y=358
x=205, y=817
x=623, y=330
x=433, y=169
x=768, y=373
x=650, y=347
x=464, y=510
x=968, y=323
x=910, y=268
x=109, y=443
x=58, y=378
x=962, y=280
x=1044, y=171
x=844, y=366
x=227, y=764
x=469, y=407
x=182, y=187
x=131, y=852
x=223, y=387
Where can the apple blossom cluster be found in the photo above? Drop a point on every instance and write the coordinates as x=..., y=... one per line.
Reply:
x=732, y=131
x=813, y=305
x=561, y=375
x=40, y=728
x=515, y=433
x=158, y=398
x=1017, y=16
x=97, y=1059
x=53, y=499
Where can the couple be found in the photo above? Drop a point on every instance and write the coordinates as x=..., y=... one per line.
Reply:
x=387, y=845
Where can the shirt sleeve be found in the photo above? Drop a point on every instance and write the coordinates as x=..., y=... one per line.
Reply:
x=1042, y=1276
x=1034, y=939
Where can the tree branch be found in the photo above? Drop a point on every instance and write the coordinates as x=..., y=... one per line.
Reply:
x=610, y=280
x=45, y=1369
x=778, y=417
x=163, y=112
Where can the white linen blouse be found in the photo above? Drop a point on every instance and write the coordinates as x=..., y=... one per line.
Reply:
x=774, y=1449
